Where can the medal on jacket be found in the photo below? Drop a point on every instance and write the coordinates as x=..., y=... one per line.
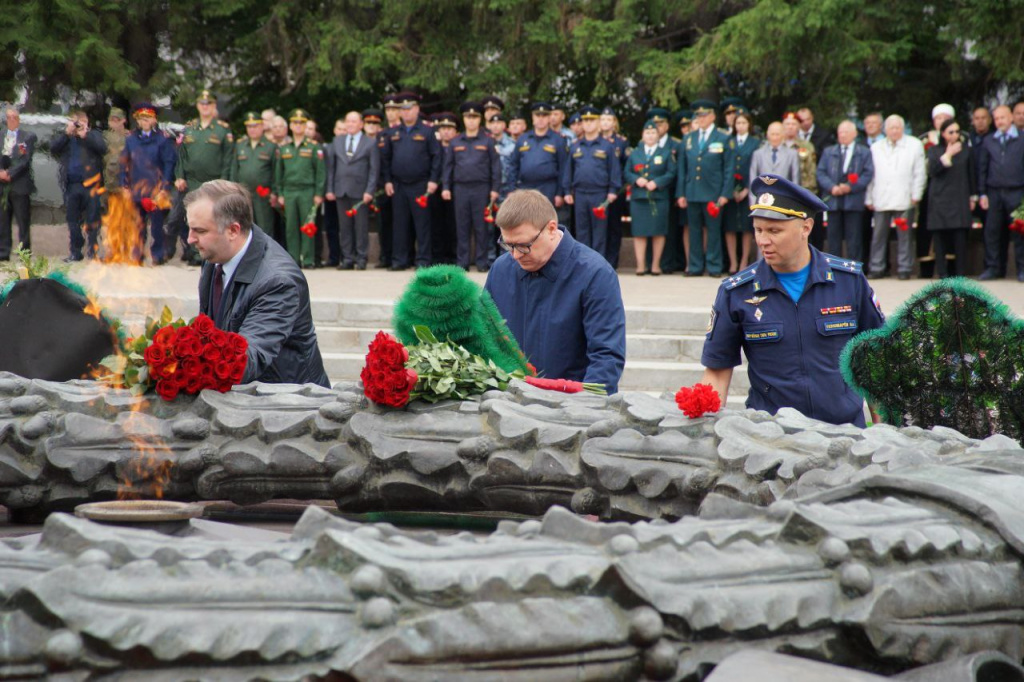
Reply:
x=756, y=300
x=758, y=314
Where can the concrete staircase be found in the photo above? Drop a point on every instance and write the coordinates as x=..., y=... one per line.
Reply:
x=663, y=345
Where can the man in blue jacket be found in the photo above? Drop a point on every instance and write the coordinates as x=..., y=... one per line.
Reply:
x=80, y=151
x=561, y=299
x=147, y=168
x=844, y=173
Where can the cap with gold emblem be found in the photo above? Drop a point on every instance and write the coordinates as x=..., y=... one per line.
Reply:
x=589, y=113
x=471, y=109
x=116, y=112
x=298, y=116
x=206, y=97
x=701, y=107
x=776, y=198
x=372, y=116
x=406, y=99
x=444, y=119
x=144, y=109
x=493, y=102
x=252, y=118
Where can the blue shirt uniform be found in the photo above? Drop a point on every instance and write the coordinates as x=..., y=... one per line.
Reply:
x=411, y=155
x=567, y=317
x=506, y=147
x=594, y=166
x=539, y=162
x=793, y=347
x=472, y=161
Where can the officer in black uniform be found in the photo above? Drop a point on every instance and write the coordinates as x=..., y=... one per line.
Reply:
x=472, y=169
x=792, y=312
x=540, y=158
x=411, y=161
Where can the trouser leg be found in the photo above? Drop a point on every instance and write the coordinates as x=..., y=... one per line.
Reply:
x=346, y=231
x=695, y=219
x=74, y=207
x=905, y=244
x=22, y=204
x=880, y=243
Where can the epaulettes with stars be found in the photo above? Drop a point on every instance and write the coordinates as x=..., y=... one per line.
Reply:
x=845, y=265
x=741, y=277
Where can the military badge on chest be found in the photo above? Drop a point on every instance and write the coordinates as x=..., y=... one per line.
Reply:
x=756, y=301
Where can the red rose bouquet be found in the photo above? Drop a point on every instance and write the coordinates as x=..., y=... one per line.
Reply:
x=175, y=357
x=698, y=400
x=386, y=380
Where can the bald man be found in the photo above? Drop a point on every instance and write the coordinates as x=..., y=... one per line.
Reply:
x=844, y=173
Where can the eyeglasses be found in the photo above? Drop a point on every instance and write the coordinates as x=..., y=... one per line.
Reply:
x=523, y=249
x=953, y=131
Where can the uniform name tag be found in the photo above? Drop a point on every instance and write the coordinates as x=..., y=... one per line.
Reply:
x=762, y=335
x=600, y=155
x=418, y=138
x=287, y=156
x=480, y=147
x=549, y=148
x=459, y=149
x=829, y=326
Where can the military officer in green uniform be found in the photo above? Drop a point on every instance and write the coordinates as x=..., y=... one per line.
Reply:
x=252, y=165
x=204, y=153
x=115, y=135
x=300, y=176
x=704, y=182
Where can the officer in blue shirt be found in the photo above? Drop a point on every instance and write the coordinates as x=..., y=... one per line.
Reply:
x=540, y=157
x=561, y=299
x=472, y=171
x=594, y=178
x=791, y=312
x=411, y=166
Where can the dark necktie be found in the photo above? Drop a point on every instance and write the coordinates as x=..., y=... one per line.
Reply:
x=775, y=155
x=218, y=288
x=349, y=150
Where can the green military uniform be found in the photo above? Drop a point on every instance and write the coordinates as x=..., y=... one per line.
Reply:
x=252, y=165
x=300, y=174
x=112, y=159
x=205, y=153
x=808, y=164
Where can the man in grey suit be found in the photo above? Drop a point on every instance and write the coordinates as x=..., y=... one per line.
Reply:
x=251, y=286
x=774, y=157
x=353, y=163
x=17, y=185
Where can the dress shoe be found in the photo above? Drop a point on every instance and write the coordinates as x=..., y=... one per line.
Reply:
x=641, y=273
x=654, y=274
x=877, y=275
x=345, y=266
x=383, y=265
x=360, y=266
x=1020, y=276
x=714, y=274
x=397, y=268
x=988, y=275
x=485, y=268
x=687, y=273
x=73, y=258
x=903, y=275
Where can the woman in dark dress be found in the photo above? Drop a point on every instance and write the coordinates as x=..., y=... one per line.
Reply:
x=651, y=172
x=951, y=197
x=736, y=220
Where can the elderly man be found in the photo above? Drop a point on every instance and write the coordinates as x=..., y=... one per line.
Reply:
x=561, y=299
x=893, y=194
x=844, y=173
x=251, y=286
x=353, y=167
x=774, y=157
x=1001, y=188
x=16, y=182
x=873, y=128
x=792, y=313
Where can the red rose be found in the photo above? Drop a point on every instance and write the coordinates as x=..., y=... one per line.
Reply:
x=204, y=325
x=600, y=212
x=186, y=343
x=211, y=353
x=738, y=177
x=168, y=390
x=191, y=368
x=262, y=192
x=223, y=370
x=422, y=200
x=238, y=370
x=350, y=212
x=309, y=229
x=165, y=336
x=698, y=400
x=154, y=355
x=852, y=178
x=193, y=384
x=238, y=343
x=148, y=205
x=713, y=209
x=638, y=167
x=1017, y=226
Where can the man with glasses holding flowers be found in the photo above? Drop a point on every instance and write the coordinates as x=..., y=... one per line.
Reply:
x=561, y=299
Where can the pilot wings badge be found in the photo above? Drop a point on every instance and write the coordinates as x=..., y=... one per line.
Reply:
x=756, y=300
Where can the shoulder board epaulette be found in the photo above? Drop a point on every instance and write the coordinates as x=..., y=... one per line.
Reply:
x=724, y=131
x=845, y=265
x=192, y=123
x=741, y=277
x=223, y=124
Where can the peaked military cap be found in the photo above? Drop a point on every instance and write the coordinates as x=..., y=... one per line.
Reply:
x=445, y=118
x=779, y=199
x=589, y=113
x=373, y=115
x=391, y=101
x=558, y=106
x=492, y=102
x=575, y=118
x=471, y=109
x=206, y=97
x=541, y=108
x=682, y=116
x=116, y=112
x=252, y=118
x=658, y=114
x=703, y=106
x=650, y=123
x=298, y=116
x=406, y=99
x=608, y=111
x=144, y=109
x=497, y=117
x=731, y=104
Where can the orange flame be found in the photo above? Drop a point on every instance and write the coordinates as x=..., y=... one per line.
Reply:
x=122, y=224
x=148, y=474
x=93, y=308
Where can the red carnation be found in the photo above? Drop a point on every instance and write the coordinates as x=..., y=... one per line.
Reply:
x=1017, y=226
x=852, y=178
x=262, y=192
x=901, y=223
x=698, y=400
x=309, y=229
x=713, y=209
x=638, y=167
x=421, y=201
x=738, y=177
x=148, y=205
x=350, y=212
x=600, y=212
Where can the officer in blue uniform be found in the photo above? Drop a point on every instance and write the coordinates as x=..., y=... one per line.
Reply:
x=411, y=162
x=594, y=178
x=540, y=157
x=472, y=170
x=560, y=298
x=705, y=176
x=791, y=312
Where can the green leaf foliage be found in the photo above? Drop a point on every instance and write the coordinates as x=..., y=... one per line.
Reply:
x=450, y=372
x=952, y=355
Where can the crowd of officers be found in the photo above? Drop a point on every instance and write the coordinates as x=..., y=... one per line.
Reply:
x=433, y=192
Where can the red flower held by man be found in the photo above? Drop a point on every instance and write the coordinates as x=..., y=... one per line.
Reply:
x=148, y=205
x=638, y=168
x=262, y=192
x=422, y=200
x=309, y=229
x=600, y=212
x=195, y=357
x=563, y=385
x=901, y=223
x=1017, y=226
x=698, y=400
x=713, y=209
x=852, y=178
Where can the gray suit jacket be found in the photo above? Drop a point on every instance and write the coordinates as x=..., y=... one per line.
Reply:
x=19, y=164
x=787, y=165
x=267, y=302
x=353, y=176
